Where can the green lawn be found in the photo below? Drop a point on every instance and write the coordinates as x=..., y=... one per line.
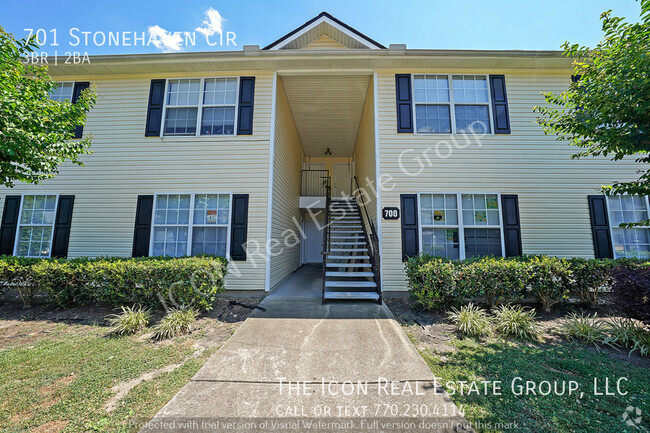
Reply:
x=58, y=377
x=560, y=361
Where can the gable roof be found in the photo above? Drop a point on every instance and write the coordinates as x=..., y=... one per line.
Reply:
x=324, y=23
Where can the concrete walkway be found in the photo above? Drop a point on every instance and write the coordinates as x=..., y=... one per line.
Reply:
x=303, y=366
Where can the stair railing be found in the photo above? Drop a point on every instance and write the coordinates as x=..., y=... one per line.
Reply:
x=326, y=230
x=372, y=239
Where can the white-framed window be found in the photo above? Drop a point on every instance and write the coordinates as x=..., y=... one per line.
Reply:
x=459, y=226
x=634, y=241
x=200, y=106
x=62, y=91
x=452, y=104
x=36, y=225
x=190, y=224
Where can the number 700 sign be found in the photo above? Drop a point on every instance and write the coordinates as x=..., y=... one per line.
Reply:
x=390, y=213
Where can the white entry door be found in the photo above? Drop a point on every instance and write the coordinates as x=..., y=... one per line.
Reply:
x=341, y=180
x=312, y=244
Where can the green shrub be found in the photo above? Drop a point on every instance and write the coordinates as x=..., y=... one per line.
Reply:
x=129, y=321
x=515, y=320
x=17, y=274
x=177, y=322
x=153, y=282
x=548, y=279
x=589, y=278
x=496, y=279
x=471, y=320
x=432, y=282
x=584, y=327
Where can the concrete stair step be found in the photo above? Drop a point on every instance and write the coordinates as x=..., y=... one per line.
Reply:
x=350, y=284
x=348, y=265
x=348, y=250
x=370, y=296
x=348, y=257
x=350, y=274
x=356, y=237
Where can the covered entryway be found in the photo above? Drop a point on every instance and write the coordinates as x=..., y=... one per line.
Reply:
x=328, y=120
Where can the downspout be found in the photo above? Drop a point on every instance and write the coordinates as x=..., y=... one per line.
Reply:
x=269, y=211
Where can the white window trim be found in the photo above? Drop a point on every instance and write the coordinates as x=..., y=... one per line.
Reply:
x=19, y=224
x=611, y=227
x=199, y=107
x=461, y=226
x=191, y=220
x=451, y=103
x=70, y=98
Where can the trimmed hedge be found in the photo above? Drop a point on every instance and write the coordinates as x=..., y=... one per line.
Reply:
x=150, y=281
x=437, y=284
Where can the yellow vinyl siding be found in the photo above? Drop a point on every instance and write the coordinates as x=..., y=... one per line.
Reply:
x=324, y=42
x=552, y=188
x=286, y=191
x=125, y=164
x=364, y=154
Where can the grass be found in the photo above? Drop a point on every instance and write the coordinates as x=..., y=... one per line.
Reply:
x=516, y=321
x=502, y=360
x=471, y=320
x=588, y=328
x=63, y=378
x=176, y=322
x=130, y=320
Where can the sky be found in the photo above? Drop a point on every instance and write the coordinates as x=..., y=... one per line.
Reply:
x=149, y=26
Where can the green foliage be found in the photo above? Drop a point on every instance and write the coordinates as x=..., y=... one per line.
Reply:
x=606, y=112
x=584, y=327
x=548, y=280
x=496, y=279
x=153, y=282
x=589, y=278
x=624, y=332
x=432, y=282
x=35, y=132
x=515, y=320
x=471, y=320
x=178, y=321
x=130, y=320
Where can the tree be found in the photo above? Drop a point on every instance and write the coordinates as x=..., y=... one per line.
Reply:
x=36, y=133
x=606, y=111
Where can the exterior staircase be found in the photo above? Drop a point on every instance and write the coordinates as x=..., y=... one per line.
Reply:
x=349, y=271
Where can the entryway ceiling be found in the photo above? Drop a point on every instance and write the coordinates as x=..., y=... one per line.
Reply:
x=327, y=110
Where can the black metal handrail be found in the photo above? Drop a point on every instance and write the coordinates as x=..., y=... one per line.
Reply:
x=313, y=183
x=326, y=231
x=371, y=237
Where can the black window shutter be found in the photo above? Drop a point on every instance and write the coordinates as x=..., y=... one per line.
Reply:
x=9, y=224
x=142, y=231
x=410, y=234
x=239, y=227
x=76, y=93
x=155, y=108
x=62, y=225
x=600, y=227
x=404, y=103
x=500, y=104
x=246, y=97
x=511, y=224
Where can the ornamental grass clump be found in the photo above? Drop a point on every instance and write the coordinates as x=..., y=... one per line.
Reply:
x=624, y=332
x=471, y=320
x=177, y=322
x=129, y=321
x=516, y=321
x=583, y=327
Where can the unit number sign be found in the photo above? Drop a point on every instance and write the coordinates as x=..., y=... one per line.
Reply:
x=390, y=213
